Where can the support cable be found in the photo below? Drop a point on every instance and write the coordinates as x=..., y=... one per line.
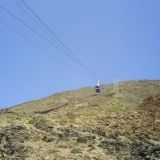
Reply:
x=39, y=47
x=59, y=40
x=36, y=22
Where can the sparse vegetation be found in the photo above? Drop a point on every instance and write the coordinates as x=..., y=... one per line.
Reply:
x=83, y=125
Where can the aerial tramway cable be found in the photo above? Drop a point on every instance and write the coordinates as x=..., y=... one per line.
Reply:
x=76, y=60
x=36, y=22
x=39, y=47
x=59, y=40
x=30, y=28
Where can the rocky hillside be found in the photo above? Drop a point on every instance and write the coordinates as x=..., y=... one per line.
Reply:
x=112, y=125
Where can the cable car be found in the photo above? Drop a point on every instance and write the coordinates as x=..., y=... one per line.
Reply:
x=97, y=87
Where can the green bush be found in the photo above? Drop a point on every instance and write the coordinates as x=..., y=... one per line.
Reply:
x=76, y=150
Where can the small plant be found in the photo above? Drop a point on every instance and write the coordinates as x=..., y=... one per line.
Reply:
x=76, y=150
x=63, y=121
x=71, y=116
x=41, y=123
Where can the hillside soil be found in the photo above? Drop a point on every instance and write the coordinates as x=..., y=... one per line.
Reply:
x=112, y=125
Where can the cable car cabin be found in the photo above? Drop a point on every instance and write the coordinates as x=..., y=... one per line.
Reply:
x=97, y=89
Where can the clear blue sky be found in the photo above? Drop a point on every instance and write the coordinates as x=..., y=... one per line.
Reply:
x=114, y=38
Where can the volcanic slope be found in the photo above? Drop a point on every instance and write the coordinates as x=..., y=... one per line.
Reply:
x=112, y=125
